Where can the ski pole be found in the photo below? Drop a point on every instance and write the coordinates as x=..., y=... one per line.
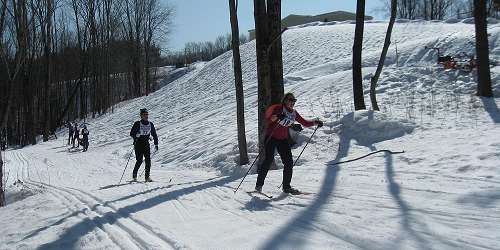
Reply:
x=126, y=165
x=296, y=160
x=255, y=160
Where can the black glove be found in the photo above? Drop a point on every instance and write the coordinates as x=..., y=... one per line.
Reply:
x=296, y=127
x=319, y=123
x=281, y=116
x=156, y=147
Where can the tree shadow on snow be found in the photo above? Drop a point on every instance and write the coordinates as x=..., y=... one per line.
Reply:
x=295, y=232
x=409, y=221
x=156, y=189
x=406, y=216
x=486, y=199
x=71, y=236
x=491, y=107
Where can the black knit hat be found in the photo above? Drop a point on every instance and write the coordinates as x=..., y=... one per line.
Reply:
x=144, y=111
x=286, y=97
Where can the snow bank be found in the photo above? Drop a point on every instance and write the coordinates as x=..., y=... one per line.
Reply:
x=369, y=127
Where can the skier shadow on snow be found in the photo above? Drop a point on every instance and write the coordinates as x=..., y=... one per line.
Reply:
x=295, y=232
x=491, y=107
x=71, y=236
x=256, y=203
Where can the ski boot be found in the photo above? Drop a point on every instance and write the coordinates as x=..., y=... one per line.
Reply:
x=291, y=190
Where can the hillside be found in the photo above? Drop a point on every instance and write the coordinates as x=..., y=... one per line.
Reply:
x=442, y=193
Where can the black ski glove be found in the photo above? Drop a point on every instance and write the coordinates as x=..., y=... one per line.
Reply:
x=319, y=123
x=281, y=116
x=296, y=127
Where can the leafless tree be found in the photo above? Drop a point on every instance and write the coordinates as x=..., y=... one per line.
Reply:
x=238, y=82
x=359, y=102
x=482, y=50
x=380, y=66
x=268, y=50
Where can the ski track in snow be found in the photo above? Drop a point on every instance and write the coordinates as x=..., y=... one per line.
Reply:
x=443, y=193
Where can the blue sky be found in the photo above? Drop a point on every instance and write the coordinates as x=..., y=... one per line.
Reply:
x=187, y=26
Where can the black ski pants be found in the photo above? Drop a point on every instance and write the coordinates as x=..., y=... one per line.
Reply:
x=142, y=150
x=285, y=153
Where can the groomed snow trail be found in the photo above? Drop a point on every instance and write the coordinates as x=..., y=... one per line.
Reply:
x=442, y=193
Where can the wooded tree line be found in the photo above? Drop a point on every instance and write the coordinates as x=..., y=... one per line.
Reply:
x=202, y=51
x=69, y=59
x=440, y=9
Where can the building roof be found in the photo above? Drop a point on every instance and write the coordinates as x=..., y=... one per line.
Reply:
x=293, y=20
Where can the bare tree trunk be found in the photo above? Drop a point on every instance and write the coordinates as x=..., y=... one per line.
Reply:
x=275, y=50
x=2, y=188
x=359, y=102
x=482, y=50
x=387, y=42
x=263, y=69
x=238, y=82
x=47, y=32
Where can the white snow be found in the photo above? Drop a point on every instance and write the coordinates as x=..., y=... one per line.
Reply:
x=442, y=193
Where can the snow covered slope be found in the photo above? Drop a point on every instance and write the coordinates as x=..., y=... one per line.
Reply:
x=442, y=193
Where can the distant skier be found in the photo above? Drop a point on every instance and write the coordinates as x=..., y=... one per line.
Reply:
x=70, y=132
x=279, y=118
x=85, y=138
x=75, y=136
x=141, y=132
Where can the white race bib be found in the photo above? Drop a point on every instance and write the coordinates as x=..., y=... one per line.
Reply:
x=289, y=118
x=144, y=130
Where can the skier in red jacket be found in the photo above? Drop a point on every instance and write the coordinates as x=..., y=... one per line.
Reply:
x=279, y=118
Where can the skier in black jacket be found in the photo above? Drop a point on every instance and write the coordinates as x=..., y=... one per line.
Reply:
x=140, y=133
x=85, y=138
x=70, y=131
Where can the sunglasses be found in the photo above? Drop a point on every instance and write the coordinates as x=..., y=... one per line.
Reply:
x=292, y=100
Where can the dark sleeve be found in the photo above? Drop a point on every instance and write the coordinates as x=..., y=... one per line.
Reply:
x=153, y=133
x=134, y=130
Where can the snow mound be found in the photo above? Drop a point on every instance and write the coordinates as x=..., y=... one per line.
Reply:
x=369, y=127
x=469, y=20
x=452, y=20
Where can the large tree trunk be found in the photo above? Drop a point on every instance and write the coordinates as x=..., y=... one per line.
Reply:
x=263, y=69
x=2, y=188
x=482, y=50
x=387, y=42
x=48, y=60
x=359, y=102
x=238, y=82
x=275, y=50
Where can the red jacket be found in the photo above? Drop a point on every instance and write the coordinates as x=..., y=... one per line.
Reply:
x=279, y=129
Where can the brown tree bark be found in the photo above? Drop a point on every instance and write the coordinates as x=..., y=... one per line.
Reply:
x=238, y=82
x=387, y=42
x=47, y=33
x=263, y=67
x=359, y=102
x=275, y=50
x=482, y=50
